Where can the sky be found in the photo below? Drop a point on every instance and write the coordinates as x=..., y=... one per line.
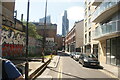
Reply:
x=55, y=8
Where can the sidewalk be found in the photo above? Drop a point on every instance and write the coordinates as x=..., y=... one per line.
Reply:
x=111, y=69
x=53, y=64
x=34, y=64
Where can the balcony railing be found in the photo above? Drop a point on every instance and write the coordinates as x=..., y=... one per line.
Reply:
x=106, y=29
x=102, y=7
x=96, y=2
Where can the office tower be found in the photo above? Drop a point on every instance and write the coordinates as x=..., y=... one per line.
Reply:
x=65, y=24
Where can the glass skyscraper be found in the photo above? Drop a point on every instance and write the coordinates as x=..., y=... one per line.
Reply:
x=65, y=24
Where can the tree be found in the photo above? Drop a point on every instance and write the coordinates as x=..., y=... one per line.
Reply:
x=32, y=32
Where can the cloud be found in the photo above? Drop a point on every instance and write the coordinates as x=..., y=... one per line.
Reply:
x=75, y=13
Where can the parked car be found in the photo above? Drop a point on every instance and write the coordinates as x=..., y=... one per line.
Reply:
x=76, y=56
x=88, y=60
x=72, y=54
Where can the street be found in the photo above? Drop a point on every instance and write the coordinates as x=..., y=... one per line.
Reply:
x=70, y=69
x=39, y=37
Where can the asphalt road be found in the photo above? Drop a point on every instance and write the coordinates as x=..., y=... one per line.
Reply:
x=69, y=69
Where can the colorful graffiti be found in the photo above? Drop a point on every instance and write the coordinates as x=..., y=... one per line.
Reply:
x=13, y=42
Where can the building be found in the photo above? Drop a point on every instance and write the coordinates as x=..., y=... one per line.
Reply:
x=0, y=28
x=65, y=24
x=90, y=45
x=59, y=42
x=12, y=32
x=74, y=38
x=48, y=20
x=107, y=31
x=50, y=32
x=102, y=37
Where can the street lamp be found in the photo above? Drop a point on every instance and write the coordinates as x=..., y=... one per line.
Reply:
x=27, y=64
x=44, y=33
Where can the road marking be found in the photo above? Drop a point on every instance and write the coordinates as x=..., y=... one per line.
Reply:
x=60, y=71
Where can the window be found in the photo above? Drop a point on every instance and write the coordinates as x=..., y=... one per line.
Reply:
x=113, y=50
x=85, y=38
x=108, y=51
x=89, y=36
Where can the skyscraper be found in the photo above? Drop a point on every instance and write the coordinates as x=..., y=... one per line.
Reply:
x=65, y=24
x=48, y=20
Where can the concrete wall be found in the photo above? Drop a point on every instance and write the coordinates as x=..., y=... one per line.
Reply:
x=34, y=46
x=8, y=9
x=12, y=42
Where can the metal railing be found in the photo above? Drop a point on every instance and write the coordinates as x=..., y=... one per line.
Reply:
x=106, y=28
x=39, y=71
x=103, y=6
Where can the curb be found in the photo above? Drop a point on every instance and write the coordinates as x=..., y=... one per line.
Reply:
x=109, y=73
x=57, y=62
x=54, y=62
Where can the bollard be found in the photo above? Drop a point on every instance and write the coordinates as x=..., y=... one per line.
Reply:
x=51, y=55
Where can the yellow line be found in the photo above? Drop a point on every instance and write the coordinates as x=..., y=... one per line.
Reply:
x=60, y=71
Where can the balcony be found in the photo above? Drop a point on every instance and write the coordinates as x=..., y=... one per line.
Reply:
x=107, y=30
x=96, y=2
x=105, y=10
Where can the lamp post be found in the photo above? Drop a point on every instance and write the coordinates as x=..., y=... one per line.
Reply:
x=27, y=64
x=44, y=33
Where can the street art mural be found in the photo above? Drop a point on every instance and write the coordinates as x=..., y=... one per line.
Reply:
x=13, y=42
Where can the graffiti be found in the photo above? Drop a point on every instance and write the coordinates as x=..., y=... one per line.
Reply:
x=13, y=42
x=11, y=37
x=12, y=50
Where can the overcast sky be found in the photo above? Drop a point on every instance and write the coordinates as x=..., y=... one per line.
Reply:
x=75, y=11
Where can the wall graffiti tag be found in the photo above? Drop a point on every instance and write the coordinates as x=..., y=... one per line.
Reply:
x=13, y=42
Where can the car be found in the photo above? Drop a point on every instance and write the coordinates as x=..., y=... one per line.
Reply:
x=72, y=54
x=88, y=60
x=76, y=56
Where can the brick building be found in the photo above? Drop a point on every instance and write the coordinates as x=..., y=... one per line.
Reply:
x=50, y=32
x=12, y=31
x=59, y=42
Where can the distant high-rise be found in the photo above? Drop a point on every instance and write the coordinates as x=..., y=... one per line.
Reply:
x=48, y=20
x=65, y=24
